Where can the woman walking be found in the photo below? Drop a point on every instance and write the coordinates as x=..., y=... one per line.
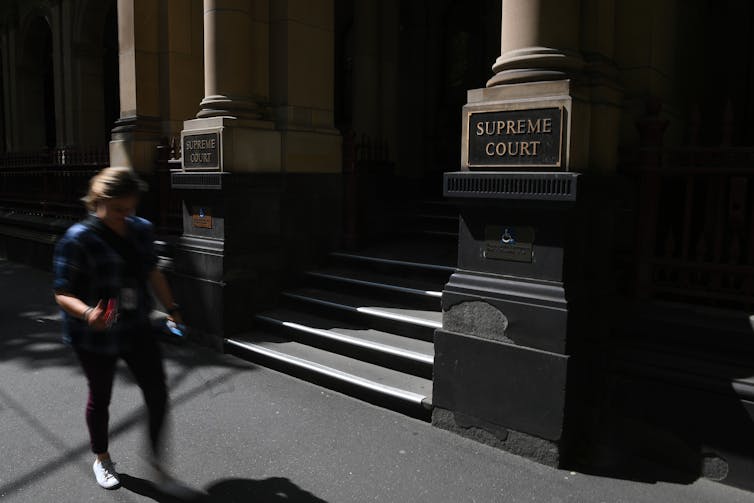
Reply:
x=104, y=266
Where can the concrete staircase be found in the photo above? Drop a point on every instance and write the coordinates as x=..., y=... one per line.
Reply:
x=364, y=323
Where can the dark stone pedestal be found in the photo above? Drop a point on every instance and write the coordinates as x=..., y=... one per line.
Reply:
x=500, y=394
x=244, y=236
x=512, y=361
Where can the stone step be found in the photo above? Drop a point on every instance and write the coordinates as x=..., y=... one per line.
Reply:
x=409, y=289
x=383, y=348
x=420, y=219
x=373, y=383
x=371, y=312
x=405, y=254
x=389, y=260
x=436, y=207
x=449, y=235
x=448, y=218
x=363, y=325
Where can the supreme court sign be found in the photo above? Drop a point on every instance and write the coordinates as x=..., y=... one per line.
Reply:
x=202, y=150
x=530, y=138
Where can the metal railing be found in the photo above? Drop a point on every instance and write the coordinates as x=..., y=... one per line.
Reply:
x=695, y=225
x=49, y=183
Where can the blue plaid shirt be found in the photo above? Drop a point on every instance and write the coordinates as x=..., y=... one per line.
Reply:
x=86, y=266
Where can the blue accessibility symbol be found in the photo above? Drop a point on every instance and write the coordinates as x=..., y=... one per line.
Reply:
x=508, y=238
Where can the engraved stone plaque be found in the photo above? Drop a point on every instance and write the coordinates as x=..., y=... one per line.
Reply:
x=531, y=138
x=201, y=151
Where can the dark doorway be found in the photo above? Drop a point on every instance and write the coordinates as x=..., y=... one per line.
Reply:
x=443, y=49
x=39, y=86
x=111, y=71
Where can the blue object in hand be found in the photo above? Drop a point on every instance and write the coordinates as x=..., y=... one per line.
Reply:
x=177, y=329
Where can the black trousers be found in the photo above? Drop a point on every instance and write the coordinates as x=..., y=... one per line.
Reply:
x=145, y=363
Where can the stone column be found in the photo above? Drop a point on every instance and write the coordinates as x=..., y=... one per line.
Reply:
x=236, y=81
x=181, y=63
x=138, y=130
x=229, y=34
x=561, y=50
x=261, y=160
x=539, y=41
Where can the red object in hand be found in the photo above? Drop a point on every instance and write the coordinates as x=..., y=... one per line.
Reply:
x=111, y=312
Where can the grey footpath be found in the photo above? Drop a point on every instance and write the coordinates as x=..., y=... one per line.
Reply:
x=243, y=433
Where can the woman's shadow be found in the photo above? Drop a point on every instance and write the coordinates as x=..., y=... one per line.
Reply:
x=273, y=489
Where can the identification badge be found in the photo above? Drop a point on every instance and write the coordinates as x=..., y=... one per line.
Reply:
x=129, y=299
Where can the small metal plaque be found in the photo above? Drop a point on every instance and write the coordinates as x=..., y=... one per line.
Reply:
x=515, y=244
x=201, y=151
x=530, y=138
x=202, y=219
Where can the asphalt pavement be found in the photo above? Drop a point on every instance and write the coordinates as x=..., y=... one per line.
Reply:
x=243, y=433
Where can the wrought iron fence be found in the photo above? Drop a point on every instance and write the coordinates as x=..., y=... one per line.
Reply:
x=695, y=226
x=49, y=183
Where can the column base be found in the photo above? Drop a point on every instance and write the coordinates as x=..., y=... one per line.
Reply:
x=590, y=123
x=228, y=260
x=225, y=106
x=218, y=298
x=532, y=64
x=525, y=75
x=245, y=145
x=514, y=361
x=134, y=143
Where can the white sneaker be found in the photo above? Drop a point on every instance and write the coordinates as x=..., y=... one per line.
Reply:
x=106, y=475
